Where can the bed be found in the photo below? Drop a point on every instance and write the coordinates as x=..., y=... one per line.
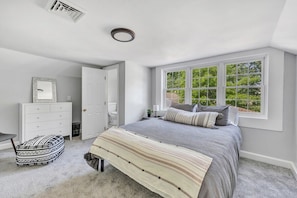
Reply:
x=220, y=143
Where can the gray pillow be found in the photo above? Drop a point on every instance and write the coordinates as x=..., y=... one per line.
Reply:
x=185, y=107
x=222, y=119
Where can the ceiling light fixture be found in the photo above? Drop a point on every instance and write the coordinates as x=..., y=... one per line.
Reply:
x=122, y=34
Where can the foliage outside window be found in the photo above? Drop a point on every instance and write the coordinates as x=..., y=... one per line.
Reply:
x=175, y=87
x=244, y=85
x=204, y=86
x=238, y=84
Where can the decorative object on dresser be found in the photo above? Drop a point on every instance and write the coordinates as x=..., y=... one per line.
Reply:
x=44, y=89
x=37, y=119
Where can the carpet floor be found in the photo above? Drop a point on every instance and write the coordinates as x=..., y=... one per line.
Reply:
x=70, y=177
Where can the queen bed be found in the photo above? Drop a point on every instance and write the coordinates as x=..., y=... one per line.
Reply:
x=219, y=145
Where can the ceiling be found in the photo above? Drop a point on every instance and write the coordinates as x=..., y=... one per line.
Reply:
x=167, y=31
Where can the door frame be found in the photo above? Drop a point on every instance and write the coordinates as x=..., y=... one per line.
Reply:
x=111, y=67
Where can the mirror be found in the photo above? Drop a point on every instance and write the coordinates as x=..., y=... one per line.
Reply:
x=44, y=90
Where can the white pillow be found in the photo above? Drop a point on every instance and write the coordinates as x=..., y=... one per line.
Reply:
x=233, y=116
x=204, y=119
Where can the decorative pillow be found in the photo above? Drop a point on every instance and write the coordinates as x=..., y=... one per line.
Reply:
x=185, y=107
x=233, y=116
x=204, y=119
x=222, y=119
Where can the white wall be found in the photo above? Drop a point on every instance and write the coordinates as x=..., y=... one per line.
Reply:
x=134, y=91
x=70, y=86
x=277, y=144
x=121, y=97
x=16, y=72
x=295, y=113
x=137, y=91
x=112, y=85
x=272, y=136
x=289, y=101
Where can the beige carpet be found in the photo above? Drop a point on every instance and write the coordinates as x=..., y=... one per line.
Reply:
x=70, y=176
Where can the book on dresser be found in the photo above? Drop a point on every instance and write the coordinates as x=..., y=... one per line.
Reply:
x=45, y=119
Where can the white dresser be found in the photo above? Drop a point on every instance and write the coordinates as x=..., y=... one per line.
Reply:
x=45, y=119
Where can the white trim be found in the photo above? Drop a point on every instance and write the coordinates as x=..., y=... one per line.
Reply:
x=8, y=145
x=264, y=77
x=270, y=160
x=221, y=80
x=273, y=70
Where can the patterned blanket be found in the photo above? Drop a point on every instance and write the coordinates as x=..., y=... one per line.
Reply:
x=166, y=169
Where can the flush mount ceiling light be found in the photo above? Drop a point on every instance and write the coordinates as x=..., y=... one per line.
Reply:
x=122, y=34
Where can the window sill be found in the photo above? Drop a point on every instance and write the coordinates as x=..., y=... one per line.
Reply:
x=260, y=117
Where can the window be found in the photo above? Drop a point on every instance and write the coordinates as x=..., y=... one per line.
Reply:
x=204, y=85
x=244, y=86
x=239, y=84
x=175, y=87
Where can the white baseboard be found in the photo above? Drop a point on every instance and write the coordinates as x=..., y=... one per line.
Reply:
x=270, y=160
x=8, y=145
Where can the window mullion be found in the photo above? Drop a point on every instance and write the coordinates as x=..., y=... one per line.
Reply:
x=221, y=86
x=188, y=91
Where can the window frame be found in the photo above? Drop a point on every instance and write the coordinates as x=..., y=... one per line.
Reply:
x=221, y=82
x=264, y=76
x=165, y=89
x=191, y=88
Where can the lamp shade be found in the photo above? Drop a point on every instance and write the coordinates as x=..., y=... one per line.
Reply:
x=156, y=108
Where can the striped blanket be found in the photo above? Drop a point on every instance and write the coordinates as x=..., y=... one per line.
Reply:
x=168, y=170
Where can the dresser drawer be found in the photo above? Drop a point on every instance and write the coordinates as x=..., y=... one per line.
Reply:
x=61, y=116
x=60, y=107
x=65, y=131
x=33, y=134
x=41, y=117
x=35, y=126
x=60, y=124
x=42, y=108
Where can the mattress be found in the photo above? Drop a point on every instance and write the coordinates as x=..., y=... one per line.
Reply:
x=222, y=144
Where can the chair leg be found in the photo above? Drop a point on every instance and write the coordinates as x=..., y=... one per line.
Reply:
x=13, y=146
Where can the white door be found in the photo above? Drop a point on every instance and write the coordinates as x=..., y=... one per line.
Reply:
x=94, y=109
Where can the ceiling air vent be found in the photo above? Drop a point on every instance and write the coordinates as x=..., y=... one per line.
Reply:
x=65, y=9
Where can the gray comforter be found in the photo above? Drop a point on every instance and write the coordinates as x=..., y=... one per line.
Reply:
x=221, y=144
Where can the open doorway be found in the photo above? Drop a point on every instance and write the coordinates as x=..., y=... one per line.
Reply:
x=112, y=95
